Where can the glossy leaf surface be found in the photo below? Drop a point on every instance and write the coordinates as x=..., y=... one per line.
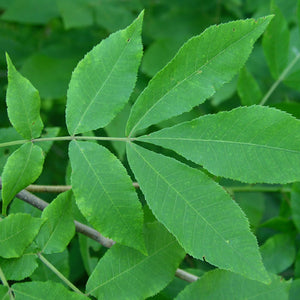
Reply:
x=23, y=104
x=200, y=68
x=250, y=144
x=105, y=195
x=127, y=269
x=103, y=81
x=198, y=212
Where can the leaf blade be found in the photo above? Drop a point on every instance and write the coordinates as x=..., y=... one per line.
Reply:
x=58, y=228
x=94, y=101
x=175, y=191
x=228, y=286
x=251, y=144
x=23, y=109
x=196, y=75
x=100, y=183
x=125, y=265
x=17, y=232
x=22, y=168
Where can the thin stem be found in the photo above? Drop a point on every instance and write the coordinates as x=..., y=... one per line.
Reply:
x=60, y=275
x=280, y=78
x=186, y=276
x=266, y=189
x=5, y=283
x=35, y=188
x=67, y=138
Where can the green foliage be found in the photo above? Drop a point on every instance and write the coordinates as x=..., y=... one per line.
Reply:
x=217, y=194
x=231, y=286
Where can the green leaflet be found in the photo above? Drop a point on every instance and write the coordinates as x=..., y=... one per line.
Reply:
x=200, y=68
x=61, y=261
x=132, y=275
x=23, y=104
x=105, y=195
x=202, y=216
x=18, y=12
x=21, y=267
x=250, y=144
x=44, y=291
x=17, y=232
x=276, y=42
x=4, y=294
x=279, y=252
x=220, y=284
x=248, y=89
x=22, y=168
x=295, y=205
x=58, y=228
x=103, y=81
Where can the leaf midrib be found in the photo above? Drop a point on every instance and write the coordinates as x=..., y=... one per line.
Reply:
x=105, y=191
x=192, y=74
x=104, y=82
x=221, y=142
x=188, y=204
x=133, y=267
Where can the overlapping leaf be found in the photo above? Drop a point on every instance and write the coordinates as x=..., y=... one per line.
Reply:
x=276, y=42
x=17, y=232
x=23, y=104
x=103, y=81
x=22, y=168
x=250, y=144
x=132, y=275
x=220, y=284
x=44, y=291
x=59, y=227
x=202, y=216
x=105, y=195
x=201, y=67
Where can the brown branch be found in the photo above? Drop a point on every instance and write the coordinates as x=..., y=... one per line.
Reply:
x=88, y=231
x=34, y=188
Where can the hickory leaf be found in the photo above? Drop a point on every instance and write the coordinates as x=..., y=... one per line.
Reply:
x=127, y=269
x=103, y=81
x=17, y=231
x=198, y=212
x=250, y=144
x=200, y=68
x=22, y=168
x=23, y=104
x=58, y=228
x=105, y=195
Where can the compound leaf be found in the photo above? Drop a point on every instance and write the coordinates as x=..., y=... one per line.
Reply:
x=22, y=168
x=103, y=81
x=201, y=215
x=105, y=195
x=220, y=284
x=200, y=67
x=59, y=227
x=23, y=104
x=17, y=232
x=127, y=269
x=250, y=144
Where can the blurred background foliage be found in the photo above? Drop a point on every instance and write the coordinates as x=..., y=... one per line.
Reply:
x=46, y=39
